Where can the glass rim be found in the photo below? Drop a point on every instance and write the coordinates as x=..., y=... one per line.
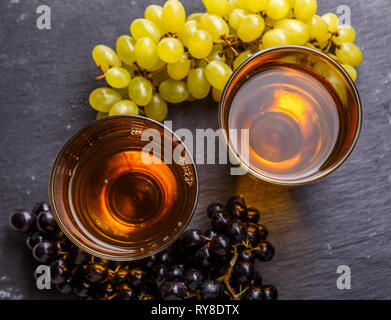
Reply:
x=315, y=177
x=93, y=252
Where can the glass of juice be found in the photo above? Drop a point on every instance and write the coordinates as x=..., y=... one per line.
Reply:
x=118, y=193
x=290, y=115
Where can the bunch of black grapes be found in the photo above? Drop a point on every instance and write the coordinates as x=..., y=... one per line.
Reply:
x=215, y=264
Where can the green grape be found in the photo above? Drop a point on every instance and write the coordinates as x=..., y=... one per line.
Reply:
x=277, y=9
x=218, y=73
x=346, y=33
x=174, y=16
x=179, y=70
x=332, y=22
x=160, y=63
x=197, y=84
x=236, y=16
x=174, y=91
x=123, y=107
x=146, y=53
x=200, y=44
x=256, y=5
x=188, y=29
x=154, y=13
x=101, y=99
x=318, y=29
x=305, y=9
x=296, y=30
x=117, y=77
x=216, y=94
x=215, y=26
x=170, y=50
x=275, y=37
x=101, y=115
x=195, y=16
x=217, y=53
x=140, y=91
x=219, y=7
x=141, y=28
x=241, y=58
x=157, y=109
x=349, y=53
x=350, y=70
x=125, y=49
x=251, y=27
x=105, y=57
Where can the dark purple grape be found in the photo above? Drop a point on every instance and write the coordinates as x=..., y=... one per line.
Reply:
x=22, y=221
x=192, y=240
x=239, y=211
x=149, y=262
x=126, y=292
x=45, y=251
x=257, y=280
x=212, y=290
x=254, y=293
x=221, y=246
x=262, y=232
x=77, y=256
x=271, y=292
x=253, y=215
x=210, y=233
x=169, y=256
x=83, y=289
x=246, y=256
x=264, y=251
x=65, y=287
x=40, y=206
x=221, y=221
x=237, y=199
x=204, y=258
x=194, y=279
x=237, y=232
x=214, y=208
x=175, y=272
x=243, y=273
x=33, y=239
x=138, y=277
x=60, y=271
x=252, y=234
x=46, y=222
x=120, y=276
x=96, y=272
x=173, y=291
x=159, y=273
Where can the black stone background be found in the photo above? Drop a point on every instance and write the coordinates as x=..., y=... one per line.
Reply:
x=45, y=79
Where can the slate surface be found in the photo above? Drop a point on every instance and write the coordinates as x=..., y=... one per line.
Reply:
x=345, y=219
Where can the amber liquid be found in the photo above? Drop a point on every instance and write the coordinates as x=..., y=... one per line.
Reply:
x=119, y=200
x=292, y=115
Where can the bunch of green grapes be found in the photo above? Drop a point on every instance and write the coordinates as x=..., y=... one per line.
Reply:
x=169, y=57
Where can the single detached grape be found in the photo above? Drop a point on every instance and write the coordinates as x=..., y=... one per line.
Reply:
x=124, y=107
x=105, y=57
x=117, y=77
x=157, y=109
x=170, y=50
x=102, y=99
x=173, y=91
